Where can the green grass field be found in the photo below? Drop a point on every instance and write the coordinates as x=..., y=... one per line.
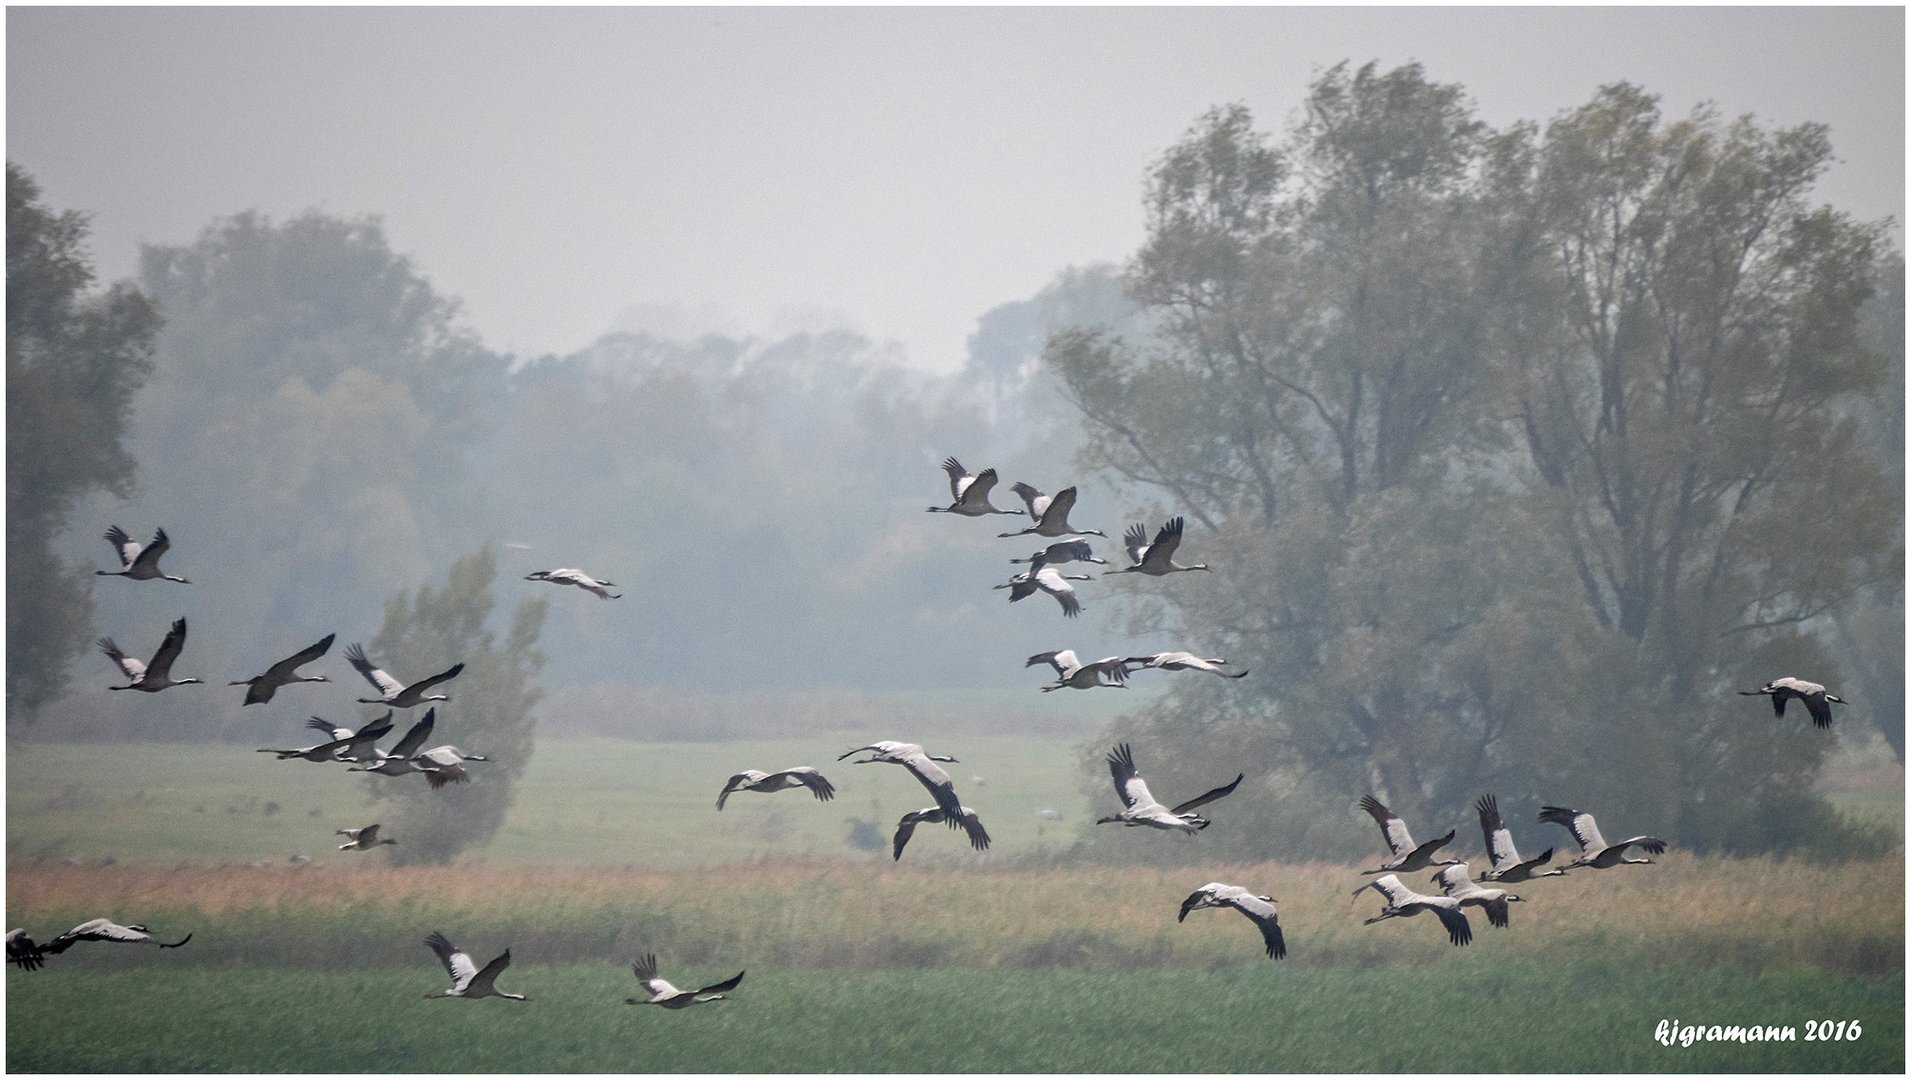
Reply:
x=1242, y=1018
x=945, y=962
x=580, y=802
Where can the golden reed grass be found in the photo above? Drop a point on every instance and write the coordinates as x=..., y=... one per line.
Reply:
x=1749, y=913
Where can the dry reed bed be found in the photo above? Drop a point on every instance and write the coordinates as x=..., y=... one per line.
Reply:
x=1742, y=913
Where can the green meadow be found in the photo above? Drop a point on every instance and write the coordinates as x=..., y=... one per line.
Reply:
x=1028, y=959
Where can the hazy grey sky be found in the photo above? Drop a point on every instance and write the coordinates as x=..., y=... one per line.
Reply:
x=897, y=170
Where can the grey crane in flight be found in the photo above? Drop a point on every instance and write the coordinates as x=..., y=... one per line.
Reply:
x=1817, y=702
x=154, y=675
x=260, y=688
x=757, y=780
x=1259, y=909
x=468, y=980
x=392, y=692
x=1406, y=855
x=139, y=563
x=970, y=492
x=1593, y=849
x=1140, y=807
x=664, y=994
x=1508, y=868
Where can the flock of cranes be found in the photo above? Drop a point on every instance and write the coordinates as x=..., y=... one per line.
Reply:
x=969, y=492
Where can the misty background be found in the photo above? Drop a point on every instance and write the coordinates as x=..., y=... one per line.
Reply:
x=698, y=300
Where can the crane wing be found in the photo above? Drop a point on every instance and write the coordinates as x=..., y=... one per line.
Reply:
x=21, y=950
x=1207, y=797
x=457, y=964
x=1650, y=844
x=383, y=683
x=1499, y=839
x=1391, y=887
x=1060, y=505
x=645, y=968
x=956, y=473
x=1167, y=539
x=810, y=778
x=1261, y=911
x=415, y=738
x=906, y=828
x=148, y=558
x=977, y=491
x=972, y=824
x=1399, y=840
x=282, y=671
x=162, y=663
x=1135, y=540
x=133, y=669
x=1459, y=931
x=1584, y=828
x=726, y=985
x=123, y=545
x=481, y=982
x=425, y=684
x=361, y=738
x=1819, y=708
x=1128, y=783
x=938, y=783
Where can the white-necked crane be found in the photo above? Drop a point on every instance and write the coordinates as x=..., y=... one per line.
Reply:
x=1071, y=673
x=1406, y=856
x=140, y=564
x=363, y=839
x=1066, y=551
x=1183, y=661
x=156, y=674
x=1140, y=807
x=391, y=691
x=1260, y=909
x=572, y=576
x=800, y=776
x=923, y=767
x=1049, y=580
x=349, y=746
x=1403, y=902
x=1049, y=513
x=467, y=979
x=1157, y=558
x=260, y=688
x=110, y=931
x=22, y=951
x=936, y=815
x=668, y=996
x=1817, y=701
x=1507, y=865
x=444, y=765
x=1594, y=851
x=399, y=761
x=970, y=492
x=1454, y=882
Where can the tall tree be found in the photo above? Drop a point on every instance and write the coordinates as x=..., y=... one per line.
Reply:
x=1458, y=407
x=75, y=361
x=489, y=714
x=1686, y=405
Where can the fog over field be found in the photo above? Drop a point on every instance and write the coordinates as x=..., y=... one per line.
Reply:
x=1480, y=410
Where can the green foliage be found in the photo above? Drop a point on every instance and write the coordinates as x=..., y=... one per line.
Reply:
x=1517, y=451
x=489, y=713
x=75, y=361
